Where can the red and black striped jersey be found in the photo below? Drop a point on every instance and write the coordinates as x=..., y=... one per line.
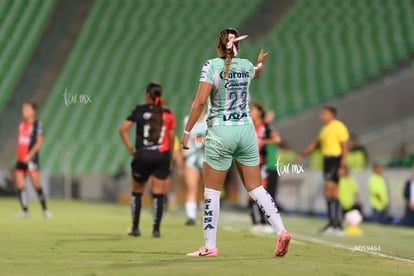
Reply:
x=141, y=116
x=27, y=138
x=263, y=132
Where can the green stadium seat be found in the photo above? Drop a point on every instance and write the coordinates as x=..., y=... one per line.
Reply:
x=120, y=49
x=319, y=50
x=21, y=25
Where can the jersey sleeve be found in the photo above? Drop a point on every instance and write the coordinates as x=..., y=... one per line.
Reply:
x=39, y=130
x=343, y=133
x=207, y=72
x=171, y=123
x=373, y=184
x=133, y=116
x=252, y=71
x=268, y=130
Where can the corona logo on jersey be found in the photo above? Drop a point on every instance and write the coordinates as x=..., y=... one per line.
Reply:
x=236, y=75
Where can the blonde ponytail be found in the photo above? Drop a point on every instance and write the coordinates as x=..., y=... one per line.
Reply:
x=229, y=57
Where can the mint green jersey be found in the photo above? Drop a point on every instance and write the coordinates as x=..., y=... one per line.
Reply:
x=229, y=99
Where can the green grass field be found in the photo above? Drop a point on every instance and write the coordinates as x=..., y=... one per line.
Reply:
x=89, y=239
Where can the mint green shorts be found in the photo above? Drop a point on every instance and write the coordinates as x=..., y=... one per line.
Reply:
x=225, y=143
x=195, y=160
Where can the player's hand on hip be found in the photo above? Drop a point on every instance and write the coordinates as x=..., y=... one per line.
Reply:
x=26, y=159
x=131, y=151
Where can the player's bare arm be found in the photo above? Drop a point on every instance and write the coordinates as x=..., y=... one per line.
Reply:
x=274, y=139
x=308, y=150
x=171, y=138
x=344, y=146
x=199, y=104
x=260, y=63
x=123, y=132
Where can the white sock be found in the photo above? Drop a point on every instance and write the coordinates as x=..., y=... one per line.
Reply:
x=191, y=210
x=211, y=216
x=268, y=206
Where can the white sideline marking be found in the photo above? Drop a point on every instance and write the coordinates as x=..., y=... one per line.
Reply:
x=305, y=238
x=339, y=245
x=296, y=241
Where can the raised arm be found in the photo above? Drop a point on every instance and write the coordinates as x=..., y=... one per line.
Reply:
x=260, y=64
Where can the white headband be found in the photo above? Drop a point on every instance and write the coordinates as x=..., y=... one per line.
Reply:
x=232, y=38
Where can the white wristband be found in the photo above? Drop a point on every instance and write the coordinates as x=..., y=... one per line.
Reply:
x=187, y=132
x=258, y=66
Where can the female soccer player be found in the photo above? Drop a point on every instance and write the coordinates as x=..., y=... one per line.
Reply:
x=266, y=136
x=155, y=131
x=28, y=145
x=194, y=159
x=226, y=81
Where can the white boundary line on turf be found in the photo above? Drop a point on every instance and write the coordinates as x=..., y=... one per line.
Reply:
x=339, y=245
x=229, y=228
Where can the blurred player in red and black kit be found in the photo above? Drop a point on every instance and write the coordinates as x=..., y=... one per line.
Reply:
x=266, y=136
x=154, y=144
x=29, y=142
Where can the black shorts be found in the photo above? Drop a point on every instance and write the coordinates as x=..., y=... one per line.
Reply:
x=32, y=166
x=330, y=168
x=147, y=163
